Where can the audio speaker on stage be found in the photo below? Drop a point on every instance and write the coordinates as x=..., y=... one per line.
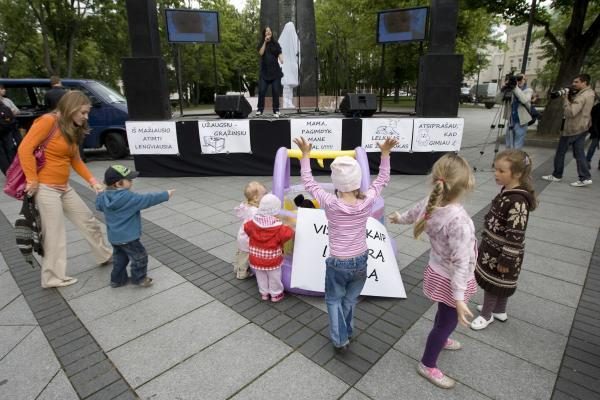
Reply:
x=438, y=87
x=443, y=23
x=232, y=106
x=143, y=28
x=359, y=105
x=145, y=82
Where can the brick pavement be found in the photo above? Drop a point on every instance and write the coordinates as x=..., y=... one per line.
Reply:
x=200, y=333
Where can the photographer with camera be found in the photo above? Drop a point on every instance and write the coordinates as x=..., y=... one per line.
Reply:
x=578, y=101
x=516, y=91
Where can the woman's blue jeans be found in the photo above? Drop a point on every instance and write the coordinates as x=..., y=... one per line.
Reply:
x=344, y=280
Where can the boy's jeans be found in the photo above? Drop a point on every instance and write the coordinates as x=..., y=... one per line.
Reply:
x=132, y=251
x=344, y=280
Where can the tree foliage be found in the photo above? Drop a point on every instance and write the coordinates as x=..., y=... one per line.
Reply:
x=571, y=29
x=350, y=38
x=89, y=38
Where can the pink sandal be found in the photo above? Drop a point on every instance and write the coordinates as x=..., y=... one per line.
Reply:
x=277, y=297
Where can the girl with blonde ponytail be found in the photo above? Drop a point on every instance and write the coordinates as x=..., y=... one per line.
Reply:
x=449, y=278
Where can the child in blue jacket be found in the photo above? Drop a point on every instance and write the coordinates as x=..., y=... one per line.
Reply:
x=121, y=208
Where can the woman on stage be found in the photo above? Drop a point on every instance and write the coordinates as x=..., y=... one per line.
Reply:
x=270, y=71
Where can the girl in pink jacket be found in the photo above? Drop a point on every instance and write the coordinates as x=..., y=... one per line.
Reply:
x=449, y=278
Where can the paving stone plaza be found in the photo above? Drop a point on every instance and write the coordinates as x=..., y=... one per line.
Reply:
x=199, y=333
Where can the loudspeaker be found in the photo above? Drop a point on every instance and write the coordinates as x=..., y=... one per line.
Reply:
x=145, y=81
x=359, y=105
x=143, y=28
x=232, y=106
x=443, y=26
x=438, y=88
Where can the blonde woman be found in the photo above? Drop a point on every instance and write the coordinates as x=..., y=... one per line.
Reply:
x=65, y=128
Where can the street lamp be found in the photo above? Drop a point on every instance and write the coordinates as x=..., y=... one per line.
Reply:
x=499, y=76
x=478, y=71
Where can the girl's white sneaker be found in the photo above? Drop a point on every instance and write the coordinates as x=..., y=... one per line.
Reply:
x=480, y=323
x=501, y=317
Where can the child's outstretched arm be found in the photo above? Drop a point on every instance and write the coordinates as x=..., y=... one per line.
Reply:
x=410, y=216
x=147, y=200
x=311, y=186
x=383, y=177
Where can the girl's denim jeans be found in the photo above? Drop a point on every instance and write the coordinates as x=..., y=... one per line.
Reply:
x=344, y=280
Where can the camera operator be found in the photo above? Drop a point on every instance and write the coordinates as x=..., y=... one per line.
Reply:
x=577, y=108
x=515, y=88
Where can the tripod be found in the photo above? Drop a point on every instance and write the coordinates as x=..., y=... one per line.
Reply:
x=498, y=124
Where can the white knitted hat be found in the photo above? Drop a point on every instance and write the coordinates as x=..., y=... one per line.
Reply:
x=269, y=205
x=346, y=174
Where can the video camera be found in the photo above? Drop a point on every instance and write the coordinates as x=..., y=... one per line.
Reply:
x=511, y=80
x=569, y=91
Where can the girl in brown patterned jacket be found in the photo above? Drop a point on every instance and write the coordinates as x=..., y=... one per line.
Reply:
x=503, y=238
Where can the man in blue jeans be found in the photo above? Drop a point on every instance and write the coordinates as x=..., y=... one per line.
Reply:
x=577, y=108
x=516, y=114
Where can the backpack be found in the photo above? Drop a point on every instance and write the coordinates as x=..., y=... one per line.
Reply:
x=7, y=118
x=535, y=115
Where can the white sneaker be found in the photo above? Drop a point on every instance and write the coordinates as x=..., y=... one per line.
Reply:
x=480, y=323
x=551, y=178
x=501, y=317
x=585, y=182
x=276, y=114
x=258, y=113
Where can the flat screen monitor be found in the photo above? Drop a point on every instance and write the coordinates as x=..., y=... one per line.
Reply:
x=192, y=26
x=405, y=25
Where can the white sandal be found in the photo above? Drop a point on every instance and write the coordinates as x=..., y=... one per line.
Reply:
x=500, y=317
x=480, y=323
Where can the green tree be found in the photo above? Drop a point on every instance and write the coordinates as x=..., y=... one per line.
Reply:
x=19, y=44
x=350, y=38
x=572, y=43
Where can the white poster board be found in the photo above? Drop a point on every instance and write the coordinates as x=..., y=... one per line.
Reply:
x=324, y=134
x=376, y=130
x=152, y=137
x=224, y=136
x=311, y=245
x=438, y=134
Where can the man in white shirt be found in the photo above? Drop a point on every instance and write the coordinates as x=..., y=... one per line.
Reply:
x=8, y=102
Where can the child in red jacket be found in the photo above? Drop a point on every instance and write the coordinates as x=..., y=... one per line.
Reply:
x=267, y=235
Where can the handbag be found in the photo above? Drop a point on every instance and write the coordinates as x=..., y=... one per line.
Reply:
x=15, y=176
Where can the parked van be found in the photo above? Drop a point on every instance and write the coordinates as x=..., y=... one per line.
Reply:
x=485, y=93
x=107, y=116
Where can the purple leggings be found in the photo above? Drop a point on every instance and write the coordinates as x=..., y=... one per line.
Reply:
x=444, y=324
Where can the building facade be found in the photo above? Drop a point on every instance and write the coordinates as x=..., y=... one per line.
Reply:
x=501, y=61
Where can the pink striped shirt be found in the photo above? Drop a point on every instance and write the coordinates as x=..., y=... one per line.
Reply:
x=347, y=222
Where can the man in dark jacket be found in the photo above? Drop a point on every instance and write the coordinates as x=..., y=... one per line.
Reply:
x=594, y=133
x=52, y=96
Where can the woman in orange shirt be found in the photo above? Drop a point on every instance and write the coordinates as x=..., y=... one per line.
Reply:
x=54, y=197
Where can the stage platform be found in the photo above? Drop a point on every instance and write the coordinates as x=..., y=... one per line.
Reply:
x=267, y=135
